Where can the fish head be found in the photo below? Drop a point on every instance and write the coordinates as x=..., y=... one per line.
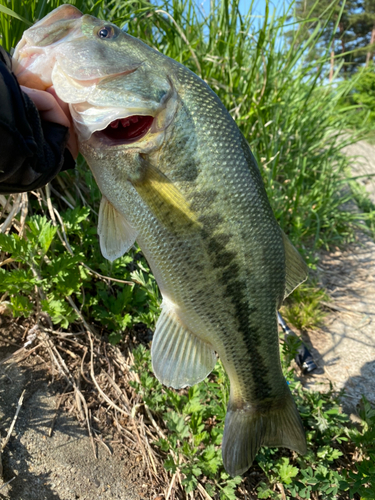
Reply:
x=118, y=93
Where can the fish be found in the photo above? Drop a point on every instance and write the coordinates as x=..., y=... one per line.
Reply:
x=178, y=177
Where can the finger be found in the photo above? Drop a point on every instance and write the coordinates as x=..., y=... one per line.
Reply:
x=63, y=105
x=49, y=109
x=52, y=109
x=72, y=143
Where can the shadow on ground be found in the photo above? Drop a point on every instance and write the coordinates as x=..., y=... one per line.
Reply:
x=344, y=347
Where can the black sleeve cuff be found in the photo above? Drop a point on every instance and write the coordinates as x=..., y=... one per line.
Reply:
x=32, y=152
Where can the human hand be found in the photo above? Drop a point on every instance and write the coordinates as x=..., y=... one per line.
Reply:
x=52, y=109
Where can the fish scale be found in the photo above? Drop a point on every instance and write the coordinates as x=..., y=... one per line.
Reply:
x=188, y=189
x=234, y=160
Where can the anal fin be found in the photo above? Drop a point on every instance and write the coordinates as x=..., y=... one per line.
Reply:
x=179, y=358
x=115, y=234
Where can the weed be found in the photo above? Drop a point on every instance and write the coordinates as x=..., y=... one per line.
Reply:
x=303, y=308
x=364, y=204
x=50, y=274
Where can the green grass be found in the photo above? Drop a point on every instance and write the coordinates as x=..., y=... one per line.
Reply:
x=294, y=122
x=303, y=308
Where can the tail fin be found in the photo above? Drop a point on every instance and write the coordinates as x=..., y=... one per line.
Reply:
x=250, y=427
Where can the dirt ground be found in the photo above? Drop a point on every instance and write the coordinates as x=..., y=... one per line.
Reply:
x=363, y=165
x=344, y=348
x=63, y=466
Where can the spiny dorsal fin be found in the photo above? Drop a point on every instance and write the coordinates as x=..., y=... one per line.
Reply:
x=115, y=234
x=165, y=201
x=296, y=268
x=179, y=358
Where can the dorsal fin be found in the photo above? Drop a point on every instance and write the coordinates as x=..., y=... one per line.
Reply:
x=296, y=269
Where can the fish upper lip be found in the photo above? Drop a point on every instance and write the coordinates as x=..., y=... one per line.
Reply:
x=24, y=52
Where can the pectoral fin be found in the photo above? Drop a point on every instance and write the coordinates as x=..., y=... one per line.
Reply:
x=115, y=234
x=179, y=358
x=296, y=268
x=165, y=201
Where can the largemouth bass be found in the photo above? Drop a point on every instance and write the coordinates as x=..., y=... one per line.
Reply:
x=177, y=176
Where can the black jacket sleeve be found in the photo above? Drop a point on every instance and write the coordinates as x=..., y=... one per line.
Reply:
x=32, y=152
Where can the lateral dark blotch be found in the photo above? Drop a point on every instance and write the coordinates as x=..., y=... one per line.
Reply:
x=186, y=170
x=236, y=291
x=210, y=222
x=223, y=259
x=200, y=199
x=231, y=273
x=215, y=245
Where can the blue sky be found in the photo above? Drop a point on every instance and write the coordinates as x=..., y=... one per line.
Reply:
x=260, y=5
x=258, y=8
x=244, y=5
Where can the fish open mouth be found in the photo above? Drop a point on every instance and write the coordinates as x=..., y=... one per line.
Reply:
x=129, y=129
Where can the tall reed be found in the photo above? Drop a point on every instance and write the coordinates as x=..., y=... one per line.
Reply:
x=281, y=100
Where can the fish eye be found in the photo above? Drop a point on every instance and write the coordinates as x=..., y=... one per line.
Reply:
x=107, y=32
